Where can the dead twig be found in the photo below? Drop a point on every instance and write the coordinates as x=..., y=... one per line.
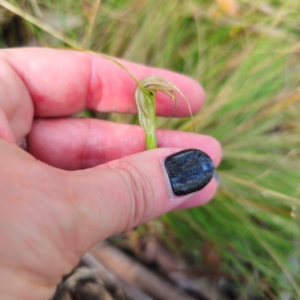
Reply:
x=110, y=279
x=134, y=273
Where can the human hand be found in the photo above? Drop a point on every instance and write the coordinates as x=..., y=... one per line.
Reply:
x=83, y=179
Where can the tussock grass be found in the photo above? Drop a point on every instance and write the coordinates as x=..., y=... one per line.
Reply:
x=248, y=61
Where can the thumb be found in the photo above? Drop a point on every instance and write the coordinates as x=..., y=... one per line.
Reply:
x=123, y=193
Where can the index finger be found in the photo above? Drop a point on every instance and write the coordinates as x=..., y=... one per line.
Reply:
x=64, y=82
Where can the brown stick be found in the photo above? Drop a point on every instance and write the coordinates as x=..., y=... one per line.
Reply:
x=111, y=279
x=136, y=274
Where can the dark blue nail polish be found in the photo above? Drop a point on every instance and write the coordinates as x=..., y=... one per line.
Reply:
x=189, y=171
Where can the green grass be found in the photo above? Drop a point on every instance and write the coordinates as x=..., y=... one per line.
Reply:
x=249, y=67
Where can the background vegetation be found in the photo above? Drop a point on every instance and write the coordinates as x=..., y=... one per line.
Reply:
x=246, y=55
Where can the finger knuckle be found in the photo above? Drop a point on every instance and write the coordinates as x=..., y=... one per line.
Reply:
x=138, y=191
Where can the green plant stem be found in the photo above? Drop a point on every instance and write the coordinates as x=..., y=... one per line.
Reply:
x=151, y=141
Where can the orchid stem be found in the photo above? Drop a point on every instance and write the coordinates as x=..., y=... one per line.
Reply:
x=151, y=141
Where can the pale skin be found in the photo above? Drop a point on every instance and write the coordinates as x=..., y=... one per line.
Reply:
x=82, y=180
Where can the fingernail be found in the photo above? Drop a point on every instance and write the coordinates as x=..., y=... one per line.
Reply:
x=189, y=171
x=217, y=178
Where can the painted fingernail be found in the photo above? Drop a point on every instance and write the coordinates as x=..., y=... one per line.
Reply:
x=189, y=171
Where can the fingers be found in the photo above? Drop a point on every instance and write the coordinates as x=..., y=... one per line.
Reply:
x=16, y=109
x=202, y=197
x=125, y=192
x=68, y=212
x=63, y=82
x=72, y=144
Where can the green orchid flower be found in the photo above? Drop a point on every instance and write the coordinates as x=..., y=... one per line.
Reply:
x=145, y=97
